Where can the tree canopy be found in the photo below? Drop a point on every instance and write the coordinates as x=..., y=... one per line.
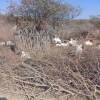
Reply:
x=40, y=10
x=95, y=20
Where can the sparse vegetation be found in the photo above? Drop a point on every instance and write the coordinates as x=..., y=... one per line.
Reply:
x=50, y=73
x=95, y=20
x=58, y=71
x=39, y=12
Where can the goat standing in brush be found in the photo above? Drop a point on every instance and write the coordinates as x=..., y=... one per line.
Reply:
x=57, y=40
x=89, y=42
x=25, y=55
x=72, y=42
x=3, y=43
x=11, y=45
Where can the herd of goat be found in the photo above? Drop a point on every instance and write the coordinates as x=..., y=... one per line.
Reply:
x=71, y=42
x=57, y=43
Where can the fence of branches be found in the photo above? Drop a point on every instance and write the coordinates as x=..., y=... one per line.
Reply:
x=30, y=40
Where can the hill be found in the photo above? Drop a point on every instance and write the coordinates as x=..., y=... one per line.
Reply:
x=6, y=28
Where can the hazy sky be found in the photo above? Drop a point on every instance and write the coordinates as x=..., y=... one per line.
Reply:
x=4, y=3
x=90, y=7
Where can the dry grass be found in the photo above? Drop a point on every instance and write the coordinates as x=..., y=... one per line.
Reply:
x=57, y=74
x=6, y=29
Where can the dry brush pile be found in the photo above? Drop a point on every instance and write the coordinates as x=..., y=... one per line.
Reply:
x=59, y=74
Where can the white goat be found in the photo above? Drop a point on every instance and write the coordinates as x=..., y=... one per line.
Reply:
x=57, y=40
x=62, y=44
x=25, y=55
x=9, y=43
x=79, y=48
x=2, y=43
x=98, y=46
x=89, y=42
x=58, y=45
x=72, y=42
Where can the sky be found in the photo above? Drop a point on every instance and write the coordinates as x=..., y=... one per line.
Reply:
x=4, y=4
x=89, y=7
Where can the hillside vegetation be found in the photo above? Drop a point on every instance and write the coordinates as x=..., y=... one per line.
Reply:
x=57, y=74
